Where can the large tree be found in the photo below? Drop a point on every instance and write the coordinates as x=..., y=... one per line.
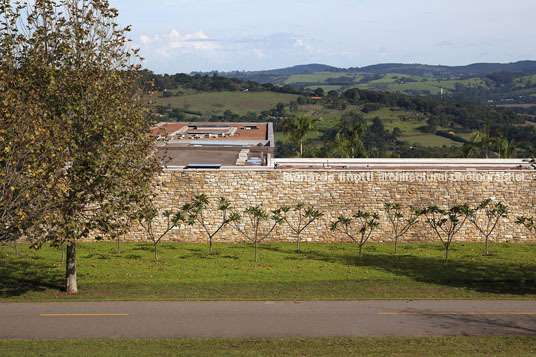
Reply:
x=297, y=128
x=350, y=129
x=75, y=65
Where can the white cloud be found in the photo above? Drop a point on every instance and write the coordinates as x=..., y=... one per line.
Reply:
x=167, y=45
x=258, y=53
x=302, y=44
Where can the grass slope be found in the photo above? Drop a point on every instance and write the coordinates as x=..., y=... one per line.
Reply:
x=320, y=272
x=217, y=102
x=415, y=346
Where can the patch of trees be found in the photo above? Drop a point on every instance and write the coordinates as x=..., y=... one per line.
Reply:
x=212, y=83
x=504, y=77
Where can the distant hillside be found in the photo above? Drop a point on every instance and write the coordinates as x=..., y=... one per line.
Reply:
x=472, y=70
x=280, y=76
x=276, y=76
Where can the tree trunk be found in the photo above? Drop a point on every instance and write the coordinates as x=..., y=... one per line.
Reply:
x=210, y=245
x=301, y=148
x=487, y=253
x=15, y=246
x=155, y=253
x=62, y=252
x=298, y=244
x=396, y=244
x=360, y=252
x=446, y=254
x=118, y=245
x=70, y=271
x=255, y=251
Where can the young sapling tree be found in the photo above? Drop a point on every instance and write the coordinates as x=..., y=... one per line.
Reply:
x=199, y=208
x=400, y=222
x=365, y=223
x=529, y=223
x=301, y=218
x=147, y=217
x=446, y=223
x=257, y=226
x=492, y=212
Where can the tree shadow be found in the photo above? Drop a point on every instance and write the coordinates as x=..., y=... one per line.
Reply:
x=482, y=275
x=18, y=277
x=148, y=248
x=98, y=256
x=478, y=324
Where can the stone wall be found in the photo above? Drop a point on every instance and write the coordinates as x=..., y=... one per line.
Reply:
x=335, y=192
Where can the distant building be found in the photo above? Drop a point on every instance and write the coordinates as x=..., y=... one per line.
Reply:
x=215, y=145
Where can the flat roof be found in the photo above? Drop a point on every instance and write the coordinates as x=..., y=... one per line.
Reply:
x=260, y=134
x=182, y=156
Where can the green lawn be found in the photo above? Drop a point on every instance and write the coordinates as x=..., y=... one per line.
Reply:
x=414, y=346
x=320, y=272
x=238, y=102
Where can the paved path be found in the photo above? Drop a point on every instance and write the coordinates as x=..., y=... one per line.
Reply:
x=265, y=319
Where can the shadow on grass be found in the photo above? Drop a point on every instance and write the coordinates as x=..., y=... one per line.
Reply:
x=18, y=277
x=481, y=274
x=97, y=256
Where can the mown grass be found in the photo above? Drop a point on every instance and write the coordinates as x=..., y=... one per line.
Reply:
x=218, y=102
x=320, y=272
x=370, y=346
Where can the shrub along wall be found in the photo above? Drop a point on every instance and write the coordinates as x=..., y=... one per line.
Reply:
x=336, y=192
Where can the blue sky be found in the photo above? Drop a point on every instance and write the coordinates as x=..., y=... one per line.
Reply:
x=203, y=35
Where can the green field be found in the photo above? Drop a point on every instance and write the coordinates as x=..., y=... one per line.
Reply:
x=215, y=103
x=390, y=118
x=319, y=77
x=320, y=272
x=393, y=82
x=429, y=140
x=369, y=346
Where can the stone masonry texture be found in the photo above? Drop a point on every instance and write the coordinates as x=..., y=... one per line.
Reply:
x=335, y=192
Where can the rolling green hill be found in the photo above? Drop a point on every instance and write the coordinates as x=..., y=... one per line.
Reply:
x=216, y=103
x=484, y=82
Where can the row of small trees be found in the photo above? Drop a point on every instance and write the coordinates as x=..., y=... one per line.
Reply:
x=256, y=224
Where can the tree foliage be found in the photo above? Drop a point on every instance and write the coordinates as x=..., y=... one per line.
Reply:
x=77, y=76
x=297, y=128
x=446, y=223
x=257, y=225
x=200, y=211
x=149, y=217
x=358, y=227
x=486, y=216
x=400, y=221
x=298, y=218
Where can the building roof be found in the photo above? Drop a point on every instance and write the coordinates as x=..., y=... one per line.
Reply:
x=223, y=144
x=244, y=131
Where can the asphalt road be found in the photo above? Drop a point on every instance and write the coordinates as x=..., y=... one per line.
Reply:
x=265, y=319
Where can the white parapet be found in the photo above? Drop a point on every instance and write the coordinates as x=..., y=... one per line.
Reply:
x=301, y=163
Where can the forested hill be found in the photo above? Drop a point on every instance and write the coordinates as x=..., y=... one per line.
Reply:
x=472, y=70
x=281, y=76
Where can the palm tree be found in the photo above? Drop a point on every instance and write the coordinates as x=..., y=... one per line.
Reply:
x=485, y=139
x=507, y=148
x=297, y=128
x=348, y=142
